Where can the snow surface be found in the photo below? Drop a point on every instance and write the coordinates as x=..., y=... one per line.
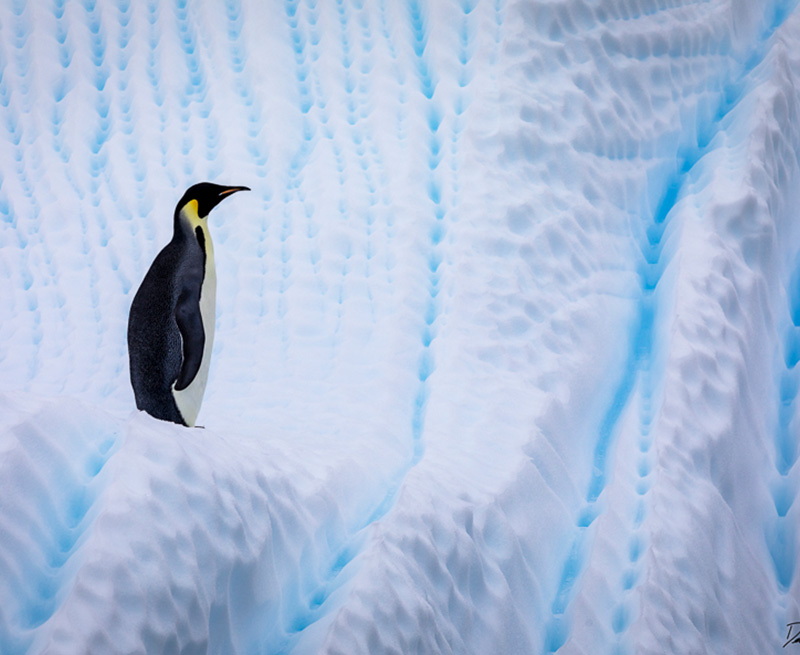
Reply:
x=507, y=338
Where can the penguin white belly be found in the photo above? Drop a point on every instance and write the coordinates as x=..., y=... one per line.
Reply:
x=189, y=399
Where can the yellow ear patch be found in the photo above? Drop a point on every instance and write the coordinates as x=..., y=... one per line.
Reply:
x=189, y=213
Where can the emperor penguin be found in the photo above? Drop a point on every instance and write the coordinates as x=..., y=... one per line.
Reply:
x=171, y=321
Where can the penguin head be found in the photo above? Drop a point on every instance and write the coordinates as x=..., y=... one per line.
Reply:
x=207, y=196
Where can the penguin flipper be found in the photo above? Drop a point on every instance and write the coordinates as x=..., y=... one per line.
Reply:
x=190, y=324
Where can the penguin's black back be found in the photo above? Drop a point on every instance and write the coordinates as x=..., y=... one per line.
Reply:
x=155, y=345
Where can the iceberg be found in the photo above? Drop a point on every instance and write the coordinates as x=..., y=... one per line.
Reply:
x=507, y=331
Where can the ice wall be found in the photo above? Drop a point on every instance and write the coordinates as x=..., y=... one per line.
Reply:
x=507, y=334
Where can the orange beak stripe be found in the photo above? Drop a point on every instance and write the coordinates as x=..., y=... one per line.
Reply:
x=234, y=190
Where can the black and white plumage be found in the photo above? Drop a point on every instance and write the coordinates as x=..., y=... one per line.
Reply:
x=171, y=321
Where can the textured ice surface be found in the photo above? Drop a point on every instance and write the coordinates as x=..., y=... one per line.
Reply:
x=507, y=339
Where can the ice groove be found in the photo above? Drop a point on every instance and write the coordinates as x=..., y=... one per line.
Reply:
x=66, y=496
x=781, y=527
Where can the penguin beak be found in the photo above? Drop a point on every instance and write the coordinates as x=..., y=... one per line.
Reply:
x=232, y=189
